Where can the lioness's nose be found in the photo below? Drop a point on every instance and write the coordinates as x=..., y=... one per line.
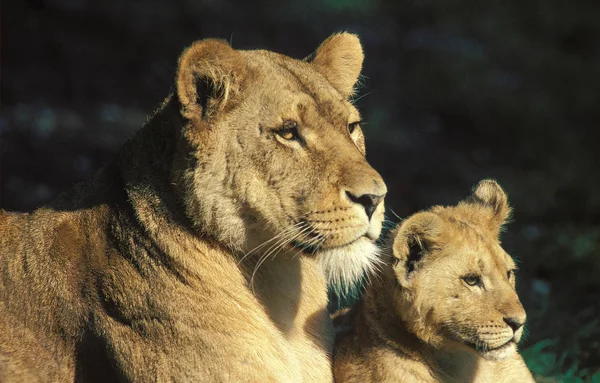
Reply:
x=369, y=201
x=515, y=322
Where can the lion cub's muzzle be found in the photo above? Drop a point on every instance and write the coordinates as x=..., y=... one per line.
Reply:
x=497, y=339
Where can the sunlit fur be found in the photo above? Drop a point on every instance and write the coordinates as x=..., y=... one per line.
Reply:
x=422, y=321
x=258, y=187
x=197, y=254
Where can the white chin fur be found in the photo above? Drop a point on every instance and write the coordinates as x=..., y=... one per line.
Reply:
x=500, y=353
x=346, y=266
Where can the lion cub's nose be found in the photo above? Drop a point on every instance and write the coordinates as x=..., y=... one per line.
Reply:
x=369, y=201
x=514, y=322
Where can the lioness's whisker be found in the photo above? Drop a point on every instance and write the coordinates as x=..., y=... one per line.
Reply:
x=311, y=242
x=284, y=241
x=278, y=236
x=396, y=215
x=275, y=248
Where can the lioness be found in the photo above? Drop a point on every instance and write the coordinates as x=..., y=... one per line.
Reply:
x=445, y=308
x=199, y=253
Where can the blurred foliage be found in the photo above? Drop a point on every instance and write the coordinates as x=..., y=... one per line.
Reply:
x=548, y=366
x=453, y=92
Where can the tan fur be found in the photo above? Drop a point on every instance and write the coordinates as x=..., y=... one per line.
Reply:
x=198, y=253
x=422, y=322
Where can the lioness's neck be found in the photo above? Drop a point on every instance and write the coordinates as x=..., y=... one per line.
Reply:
x=285, y=282
x=290, y=287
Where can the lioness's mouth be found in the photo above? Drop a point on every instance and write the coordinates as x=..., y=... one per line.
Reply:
x=352, y=242
x=309, y=248
x=305, y=248
x=311, y=239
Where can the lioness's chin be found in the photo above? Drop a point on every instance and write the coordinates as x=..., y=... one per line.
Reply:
x=500, y=353
x=345, y=266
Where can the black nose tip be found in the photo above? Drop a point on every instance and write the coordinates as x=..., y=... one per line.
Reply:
x=514, y=323
x=369, y=202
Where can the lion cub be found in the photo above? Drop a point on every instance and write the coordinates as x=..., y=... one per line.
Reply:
x=445, y=308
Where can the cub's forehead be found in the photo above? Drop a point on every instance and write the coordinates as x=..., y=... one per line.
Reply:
x=475, y=249
x=297, y=83
x=489, y=256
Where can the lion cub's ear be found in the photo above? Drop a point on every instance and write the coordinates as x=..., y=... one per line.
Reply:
x=492, y=201
x=209, y=74
x=413, y=239
x=339, y=59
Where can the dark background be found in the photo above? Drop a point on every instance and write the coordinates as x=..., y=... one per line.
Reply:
x=454, y=91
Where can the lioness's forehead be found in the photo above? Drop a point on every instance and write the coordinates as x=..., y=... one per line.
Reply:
x=290, y=77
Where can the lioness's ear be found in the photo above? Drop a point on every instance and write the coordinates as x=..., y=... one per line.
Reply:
x=413, y=239
x=209, y=74
x=489, y=196
x=339, y=59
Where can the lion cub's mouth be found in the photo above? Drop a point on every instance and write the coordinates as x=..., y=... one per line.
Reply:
x=498, y=353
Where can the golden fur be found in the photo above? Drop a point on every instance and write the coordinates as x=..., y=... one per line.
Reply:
x=199, y=253
x=445, y=307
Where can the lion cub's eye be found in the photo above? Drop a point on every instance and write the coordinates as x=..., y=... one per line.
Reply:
x=288, y=131
x=510, y=273
x=472, y=280
x=352, y=126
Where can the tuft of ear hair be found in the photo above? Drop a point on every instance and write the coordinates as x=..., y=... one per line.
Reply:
x=209, y=73
x=340, y=59
x=489, y=196
x=414, y=237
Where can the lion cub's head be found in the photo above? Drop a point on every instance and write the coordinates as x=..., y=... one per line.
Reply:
x=456, y=285
x=272, y=153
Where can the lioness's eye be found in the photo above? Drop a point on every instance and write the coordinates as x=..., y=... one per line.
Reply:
x=472, y=280
x=352, y=126
x=288, y=131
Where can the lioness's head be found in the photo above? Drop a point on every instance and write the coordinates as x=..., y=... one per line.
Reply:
x=456, y=285
x=272, y=153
